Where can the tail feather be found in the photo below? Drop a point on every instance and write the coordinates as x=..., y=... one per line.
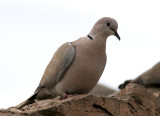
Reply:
x=30, y=100
x=26, y=102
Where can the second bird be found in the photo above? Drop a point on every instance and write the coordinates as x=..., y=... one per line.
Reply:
x=76, y=67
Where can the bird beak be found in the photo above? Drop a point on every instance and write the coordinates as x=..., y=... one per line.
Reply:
x=117, y=35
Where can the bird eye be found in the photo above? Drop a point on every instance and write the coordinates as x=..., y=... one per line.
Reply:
x=108, y=24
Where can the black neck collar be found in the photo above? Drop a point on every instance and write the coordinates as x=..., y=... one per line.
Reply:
x=90, y=37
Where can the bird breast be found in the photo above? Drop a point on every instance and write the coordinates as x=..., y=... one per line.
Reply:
x=86, y=68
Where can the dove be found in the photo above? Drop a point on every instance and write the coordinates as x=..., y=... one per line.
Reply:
x=149, y=79
x=76, y=66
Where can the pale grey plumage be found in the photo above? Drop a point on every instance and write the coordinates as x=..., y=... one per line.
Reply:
x=77, y=66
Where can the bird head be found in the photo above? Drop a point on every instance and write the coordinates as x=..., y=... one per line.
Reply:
x=105, y=27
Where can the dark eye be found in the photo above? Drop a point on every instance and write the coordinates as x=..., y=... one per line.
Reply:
x=108, y=24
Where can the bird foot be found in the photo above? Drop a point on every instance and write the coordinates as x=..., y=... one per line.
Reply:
x=67, y=95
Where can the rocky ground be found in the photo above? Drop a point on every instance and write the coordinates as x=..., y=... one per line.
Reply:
x=133, y=100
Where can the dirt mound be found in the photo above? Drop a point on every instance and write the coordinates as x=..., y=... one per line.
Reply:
x=133, y=100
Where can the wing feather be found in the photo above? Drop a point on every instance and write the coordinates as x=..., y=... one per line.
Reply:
x=59, y=63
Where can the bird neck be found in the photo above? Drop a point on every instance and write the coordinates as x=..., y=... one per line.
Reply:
x=97, y=32
x=90, y=37
x=98, y=37
x=97, y=41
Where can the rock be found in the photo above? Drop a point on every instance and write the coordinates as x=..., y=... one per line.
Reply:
x=133, y=100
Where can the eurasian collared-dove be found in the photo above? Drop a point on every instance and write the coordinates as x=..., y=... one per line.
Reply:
x=149, y=79
x=76, y=66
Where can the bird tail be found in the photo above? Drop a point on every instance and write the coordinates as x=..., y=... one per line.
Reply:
x=26, y=102
x=30, y=100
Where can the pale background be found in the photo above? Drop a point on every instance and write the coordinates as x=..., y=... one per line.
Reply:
x=32, y=30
